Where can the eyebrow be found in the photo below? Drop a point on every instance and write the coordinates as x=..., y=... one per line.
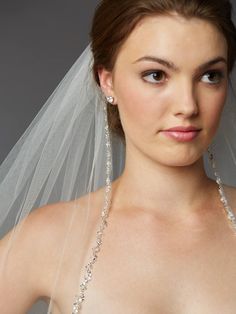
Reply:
x=172, y=66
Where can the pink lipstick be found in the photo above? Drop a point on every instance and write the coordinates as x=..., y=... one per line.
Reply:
x=181, y=133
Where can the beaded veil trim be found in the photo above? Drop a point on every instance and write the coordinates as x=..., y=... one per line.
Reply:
x=77, y=305
x=79, y=299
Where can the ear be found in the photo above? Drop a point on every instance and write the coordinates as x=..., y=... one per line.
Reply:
x=106, y=82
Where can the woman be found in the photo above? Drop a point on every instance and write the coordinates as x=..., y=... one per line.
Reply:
x=169, y=243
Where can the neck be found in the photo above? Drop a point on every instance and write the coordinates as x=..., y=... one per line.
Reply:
x=173, y=191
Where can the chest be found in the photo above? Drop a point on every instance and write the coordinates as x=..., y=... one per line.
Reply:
x=155, y=272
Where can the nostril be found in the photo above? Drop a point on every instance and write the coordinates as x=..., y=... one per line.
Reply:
x=187, y=110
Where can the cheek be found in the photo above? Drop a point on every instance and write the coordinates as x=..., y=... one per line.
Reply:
x=140, y=109
x=212, y=109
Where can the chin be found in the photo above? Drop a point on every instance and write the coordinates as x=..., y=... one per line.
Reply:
x=179, y=160
x=183, y=163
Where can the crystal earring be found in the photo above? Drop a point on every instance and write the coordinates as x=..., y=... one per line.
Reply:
x=110, y=99
x=213, y=164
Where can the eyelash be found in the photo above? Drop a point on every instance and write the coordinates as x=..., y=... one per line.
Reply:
x=151, y=72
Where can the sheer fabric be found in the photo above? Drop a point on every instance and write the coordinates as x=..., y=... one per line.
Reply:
x=62, y=156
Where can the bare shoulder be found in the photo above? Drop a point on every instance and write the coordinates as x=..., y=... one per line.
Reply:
x=23, y=254
x=34, y=252
x=45, y=227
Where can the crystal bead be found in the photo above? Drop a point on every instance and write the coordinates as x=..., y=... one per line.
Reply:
x=96, y=250
x=108, y=189
x=83, y=287
x=79, y=299
x=223, y=199
x=94, y=259
x=230, y=215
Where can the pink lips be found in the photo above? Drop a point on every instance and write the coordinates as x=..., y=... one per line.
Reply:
x=182, y=134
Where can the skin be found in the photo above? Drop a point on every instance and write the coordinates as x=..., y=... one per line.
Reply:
x=167, y=239
x=170, y=170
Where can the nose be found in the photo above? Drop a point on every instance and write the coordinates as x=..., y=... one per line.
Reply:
x=186, y=104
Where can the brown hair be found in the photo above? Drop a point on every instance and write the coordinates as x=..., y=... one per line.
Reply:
x=114, y=20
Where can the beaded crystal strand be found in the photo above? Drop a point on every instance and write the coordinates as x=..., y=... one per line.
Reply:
x=228, y=210
x=77, y=305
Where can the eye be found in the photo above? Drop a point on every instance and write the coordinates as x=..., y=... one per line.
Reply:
x=214, y=77
x=155, y=77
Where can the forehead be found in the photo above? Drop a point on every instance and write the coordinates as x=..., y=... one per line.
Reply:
x=172, y=36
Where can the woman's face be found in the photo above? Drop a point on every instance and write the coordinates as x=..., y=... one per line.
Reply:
x=171, y=72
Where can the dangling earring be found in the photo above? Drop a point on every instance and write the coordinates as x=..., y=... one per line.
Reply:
x=110, y=99
x=213, y=164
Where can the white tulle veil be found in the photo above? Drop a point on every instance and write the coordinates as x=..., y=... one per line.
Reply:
x=62, y=155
